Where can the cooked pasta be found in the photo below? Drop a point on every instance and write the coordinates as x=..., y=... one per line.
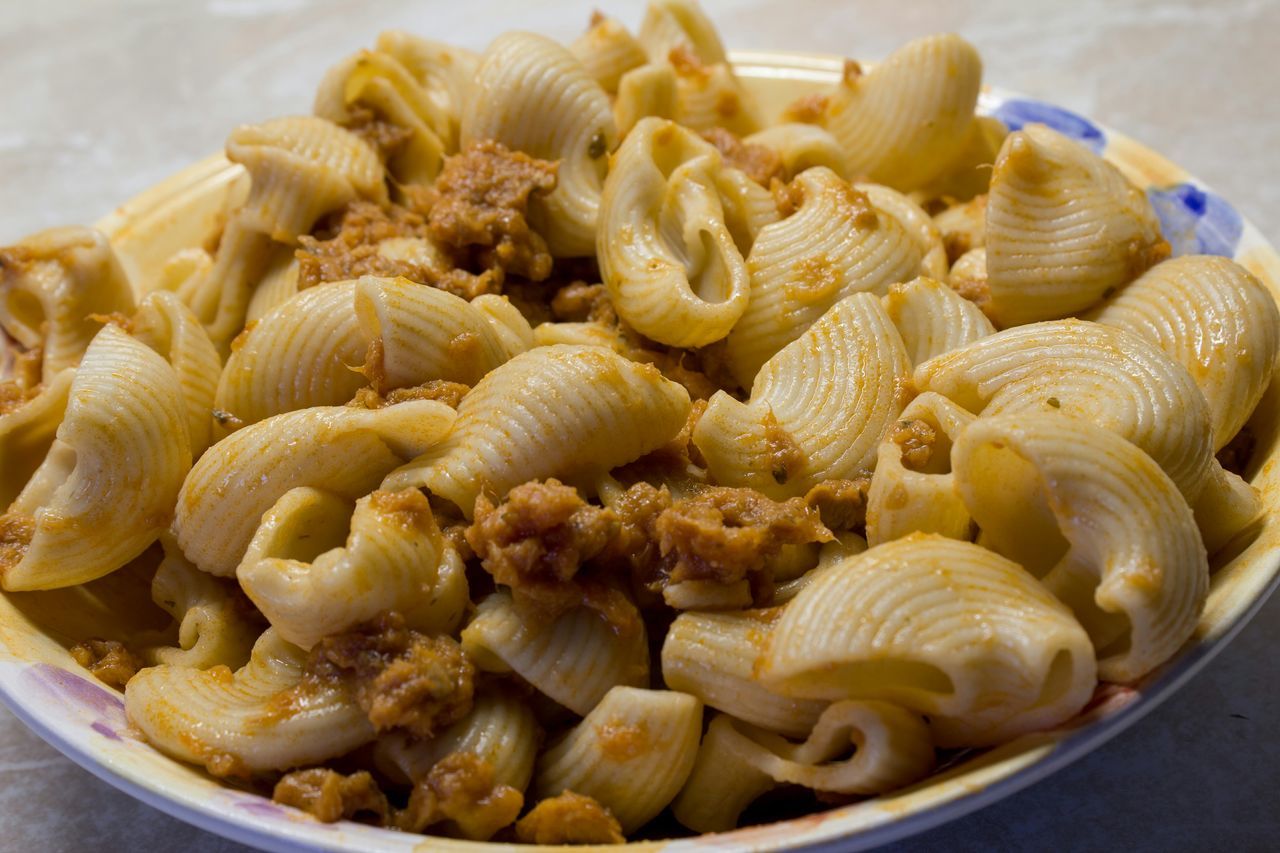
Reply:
x=107, y=487
x=533, y=95
x=1064, y=228
x=522, y=404
x=1119, y=544
x=262, y=717
x=55, y=287
x=837, y=243
x=943, y=627
x=631, y=753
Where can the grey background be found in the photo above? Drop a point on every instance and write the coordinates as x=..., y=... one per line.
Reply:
x=102, y=99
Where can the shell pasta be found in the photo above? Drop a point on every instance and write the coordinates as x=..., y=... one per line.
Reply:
x=571, y=443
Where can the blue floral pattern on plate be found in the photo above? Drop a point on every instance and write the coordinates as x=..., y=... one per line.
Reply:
x=1016, y=112
x=1196, y=221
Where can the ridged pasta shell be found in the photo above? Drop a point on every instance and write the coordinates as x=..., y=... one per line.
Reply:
x=170, y=328
x=500, y=729
x=311, y=577
x=534, y=96
x=647, y=91
x=738, y=762
x=919, y=224
x=344, y=450
x=1133, y=567
x=1213, y=317
x=575, y=660
x=446, y=72
x=212, y=628
x=713, y=656
x=943, y=627
x=300, y=168
x=260, y=718
x=1063, y=228
x=904, y=500
x=934, y=319
x=106, y=489
x=51, y=285
x=608, y=50
x=28, y=432
x=836, y=244
x=849, y=368
x=631, y=754
x=668, y=24
x=665, y=248
x=1109, y=377
x=571, y=412
x=302, y=354
x=904, y=122
x=377, y=82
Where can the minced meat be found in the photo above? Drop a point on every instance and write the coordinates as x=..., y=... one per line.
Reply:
x=842, y=504
x=108, y=660
x=760, y=163
x=401, y=678
x=330, y=796
x=569, y=819
x=916, y=438
x=727, y=534
x=479, y=204
x=461, y=788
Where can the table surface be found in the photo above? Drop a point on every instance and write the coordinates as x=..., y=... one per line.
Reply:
x=106, y=98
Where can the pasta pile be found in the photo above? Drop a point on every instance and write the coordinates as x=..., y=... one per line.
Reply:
x=550, y=440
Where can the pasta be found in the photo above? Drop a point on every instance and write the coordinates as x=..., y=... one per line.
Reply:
x=1137, y=586
x=1064, y=228
x=522, y=405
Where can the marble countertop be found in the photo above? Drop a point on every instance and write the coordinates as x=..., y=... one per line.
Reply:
x=106, y=98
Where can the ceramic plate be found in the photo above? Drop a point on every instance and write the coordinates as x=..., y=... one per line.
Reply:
x=86, y=721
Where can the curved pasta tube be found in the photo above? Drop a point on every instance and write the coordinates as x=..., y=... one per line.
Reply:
x=376, y=82
x=919, y=225
x=968, y=277
x=849, y=368
x=27, y=433
x=906, y=120
x=1064, y=227
x=647, y=91
x=934, y=319
x=964, y=226
x=846, y=544
x=738, y=762
x=575, y=660
x=837, y=243
x=713, y=656
x=678, y=33
x=534, y=96
x=500, y=729
x=279, y=284
x=1213, y=317
x=168, y=326
x=608, y=51
x=904, y=500
x=1134, y=569
x=262, y=717
x=211, y=629
x=1109, y=377
x=942, y=627
x=427, y=333
x=53, y=285
x=673, y=268
x=300, y=168
x=631, y=754
x=311, y=578
x=669, y=24
x=802, y=146
x=344, y=450
x=302, y=354
x=444, y=71
x=570, y=412
x=106, y=489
